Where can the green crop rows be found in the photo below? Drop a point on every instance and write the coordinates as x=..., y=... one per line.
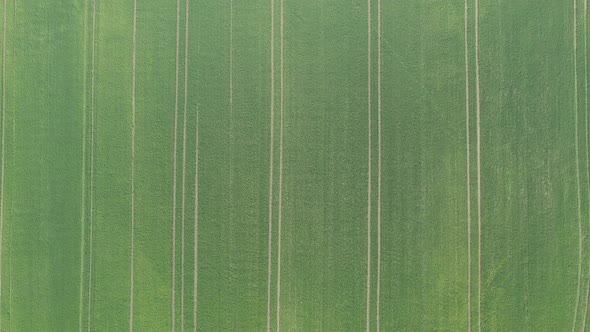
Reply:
x=304, y=165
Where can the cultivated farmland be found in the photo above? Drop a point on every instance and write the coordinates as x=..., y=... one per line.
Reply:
x=304, y=165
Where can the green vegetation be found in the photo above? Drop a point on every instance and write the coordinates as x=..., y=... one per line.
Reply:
x=336, y=165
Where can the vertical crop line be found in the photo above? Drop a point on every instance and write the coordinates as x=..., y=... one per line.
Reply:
x=369, y=166
x=231, y=105
x=577, y=154
x=14, y=132
x=478, y=137
x=83, y=177
x=91, y=189
x=231, y=112
x=379, y=145
x=174, y=171
x=186, y=17
x=271, y=163
x=183, y=168
x=133, y=60
x=280, y=207
x=196, y=226
x=2, y=178
x=586, y=309
x=468, y=165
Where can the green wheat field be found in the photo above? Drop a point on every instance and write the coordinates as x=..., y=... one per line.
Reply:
x=295, y=165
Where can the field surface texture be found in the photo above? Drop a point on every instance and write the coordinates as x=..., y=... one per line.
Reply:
x=295, y=165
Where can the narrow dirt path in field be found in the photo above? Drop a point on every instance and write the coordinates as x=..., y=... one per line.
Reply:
x=196, y=223
x=379, y=159
x=271, y=159
x=478, y=133
x=91, y=176
x=577, y=149
x=184, y=158
x=91, y=189
x=369, y=166
x=3, y=148
x=231, y=103
x=280, y=217
x=587, y=140
x=174, y=171
x=183, y=177
x=468, y=165
x=83, y=173
x=133, y=160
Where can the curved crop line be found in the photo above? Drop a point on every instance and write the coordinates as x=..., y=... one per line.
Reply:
x=587, y=138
